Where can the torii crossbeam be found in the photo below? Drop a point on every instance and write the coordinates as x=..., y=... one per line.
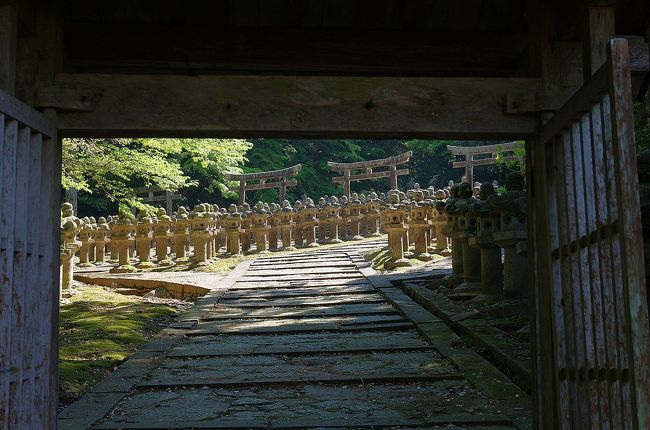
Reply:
x=370, y=173
x=264, y=180
x=493, y=150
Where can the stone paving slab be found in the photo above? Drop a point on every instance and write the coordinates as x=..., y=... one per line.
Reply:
x=442, y=402
x=225, y=312
x=342, y=323
x=315, y=343
x=322, y=346
x=301, y=291
x=271, y=284
x=303, y=278
x=264, y=369
x=362, y=298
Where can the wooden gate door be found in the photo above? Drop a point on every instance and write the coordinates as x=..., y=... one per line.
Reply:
x=592, y=354
x=30, y=162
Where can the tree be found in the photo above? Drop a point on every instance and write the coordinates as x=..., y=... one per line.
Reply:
x=109, y=169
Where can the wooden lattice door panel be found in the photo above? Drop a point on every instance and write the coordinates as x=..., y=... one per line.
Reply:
x=593, y=322
x=29, y=266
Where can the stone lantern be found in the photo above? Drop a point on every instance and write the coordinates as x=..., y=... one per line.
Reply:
x=232, y=224
x=439, y=219
x=220, y=232
x=200, y=232
x=488, y=222
x=363, y=216
x=143, y=236
x=274, y=226
x=181, y=233
x=511, y=206
x=122, y=235
x=286, y=224
x=162, y=233
x=102, y=237
x=466, y=228
x=373, y=214
x=246, y=227
x=419, y=226
x=86, y=237
x=310, y=221
x=450, y=230
x=354, y=213
x=322, y=215
x=333, y=220
x=260, y=226
x=70, y=227
x=298, y=218
x=344, y=217
x=396, y=225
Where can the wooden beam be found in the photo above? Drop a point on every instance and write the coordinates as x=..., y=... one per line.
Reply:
x=8, y=36
x=599, y=28
x=291, y=106
x=374, y=175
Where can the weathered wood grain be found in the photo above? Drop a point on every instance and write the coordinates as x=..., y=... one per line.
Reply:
x=240, y=106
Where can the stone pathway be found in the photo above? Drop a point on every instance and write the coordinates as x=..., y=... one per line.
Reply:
x=308, y=340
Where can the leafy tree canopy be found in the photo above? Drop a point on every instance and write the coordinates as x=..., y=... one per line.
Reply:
x=108, y=170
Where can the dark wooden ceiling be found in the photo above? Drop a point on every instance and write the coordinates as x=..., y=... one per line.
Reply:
x=356, y=37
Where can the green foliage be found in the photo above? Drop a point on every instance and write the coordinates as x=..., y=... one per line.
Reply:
x=429, y=165
x=110, y=169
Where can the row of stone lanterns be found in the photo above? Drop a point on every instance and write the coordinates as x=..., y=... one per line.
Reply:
x=208, y=230
x=487, y=232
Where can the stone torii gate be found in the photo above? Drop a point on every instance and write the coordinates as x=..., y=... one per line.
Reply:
x=369, y=166
x=470, y=151
x=264, y=180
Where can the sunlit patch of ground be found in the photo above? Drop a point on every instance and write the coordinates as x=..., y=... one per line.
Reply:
x=98, y=329
x=380, y=256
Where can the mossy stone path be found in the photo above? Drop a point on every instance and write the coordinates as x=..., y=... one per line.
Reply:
x=304, y=341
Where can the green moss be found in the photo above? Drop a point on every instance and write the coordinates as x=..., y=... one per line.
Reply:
x=98, y=330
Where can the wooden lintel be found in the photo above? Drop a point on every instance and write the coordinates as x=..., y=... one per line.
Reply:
x=293, y=106
x=374, y=175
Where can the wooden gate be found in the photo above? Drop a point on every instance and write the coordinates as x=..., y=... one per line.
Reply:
x=590, y=296
x=30, y=163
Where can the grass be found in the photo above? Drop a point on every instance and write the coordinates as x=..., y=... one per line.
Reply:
x=97, y=331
